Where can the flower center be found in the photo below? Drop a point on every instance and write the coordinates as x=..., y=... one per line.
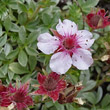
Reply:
x=50, y=84
x=19, y=97
x=68, y=43
x=95, y=20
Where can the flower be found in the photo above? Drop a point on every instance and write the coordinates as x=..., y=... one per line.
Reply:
x=50, y=85
x=98, y=19
x=17, y=96
x=20, y=97
x=68, y=95
x=70, y=47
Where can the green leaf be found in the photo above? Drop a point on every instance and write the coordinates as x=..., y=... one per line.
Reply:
x=69, y=107
x=105, y=100
x=22, y=58
x=1, y=30
x=32, y=62
x=7, y=48
x=22, y=18
x=12, y=54
x=46, y=18
x=7, y=24
x=33, y=37
x=87, y=5
x=59, y=106
x=90, y=97
x=31, y=51
x=22, y=8
x=3, y=40
x=4, y=69
x=14, y=27
x=89, y=85
x=10, y=75
x=17, y=68
x=99, y=94
x=22, y=34
x=1, y=74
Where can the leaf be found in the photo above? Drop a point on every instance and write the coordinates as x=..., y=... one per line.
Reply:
x=4, y=69
x=1, y=74
x=89, y=85
x=105, y=100
x=17, y=68
x=46, y=18
x=7, y=48
x=59, y=106
x=14, y=27
x=22, y=7
x=22, y=18
x=10, y=74
x=99, y=95
x=13, y=54
x=3, y=40
x=7, y=24
x=69, y=107
x=90, y=97
x=22, y=58
x=33, y=37
x=1, y=30
x=32, y=62
x=22, y=34
x=31, y=51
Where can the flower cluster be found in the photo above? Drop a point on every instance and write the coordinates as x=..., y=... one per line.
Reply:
x=98, y=19
x=69, y=45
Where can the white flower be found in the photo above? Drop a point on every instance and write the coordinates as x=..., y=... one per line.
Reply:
x=70, y=47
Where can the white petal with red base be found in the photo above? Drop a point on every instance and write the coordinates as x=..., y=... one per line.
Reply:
x=82, y=59
x=66, y=28
x=84, y=39
x=47, y=43
x=60, y=62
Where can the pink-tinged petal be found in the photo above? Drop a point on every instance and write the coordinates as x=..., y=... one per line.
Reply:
x=47, y=43
x=66, y=28
x=89, y=16
x=60, y=62
x=82, y=59
x=29, y=100
x=84, y=39
x=54, y=75
x=41, y=78
x=54, y=95
x=61, y=85
x=40, y=91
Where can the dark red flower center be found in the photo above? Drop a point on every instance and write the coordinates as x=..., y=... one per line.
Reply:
x=19, y=97
x=95, y=20
x=50, y=84
x=68, y=43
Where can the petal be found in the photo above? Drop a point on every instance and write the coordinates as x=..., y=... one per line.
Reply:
x=41, y=78
x=47, y=43
x=60, y=62
x=40, y=91
x=54, y=95
x=55, y=76
x=66, y=28
x=61, y=85
x=82, y=59
x=84, y=39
